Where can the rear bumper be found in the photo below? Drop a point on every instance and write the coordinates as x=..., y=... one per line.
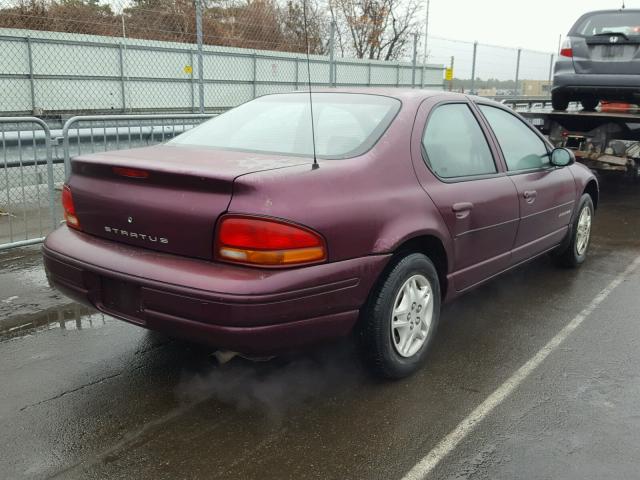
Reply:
x=238, y=308
x=614, y=87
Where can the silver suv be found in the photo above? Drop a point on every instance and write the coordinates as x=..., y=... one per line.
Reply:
x=599, y=60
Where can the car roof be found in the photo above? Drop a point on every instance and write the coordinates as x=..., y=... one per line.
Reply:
x=405, y=95
x=613, y=10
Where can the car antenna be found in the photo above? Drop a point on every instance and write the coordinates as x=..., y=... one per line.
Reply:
x=313, y=130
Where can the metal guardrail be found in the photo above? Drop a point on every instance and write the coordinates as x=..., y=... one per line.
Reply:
x=27, y=196
x=29, y=203
x=134, y=134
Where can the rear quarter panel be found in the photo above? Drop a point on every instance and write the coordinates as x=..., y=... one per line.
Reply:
x=363, y=206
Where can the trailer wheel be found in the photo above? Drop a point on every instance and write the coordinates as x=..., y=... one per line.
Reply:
x=589, y=104
x=634, y=171
x=559, y=101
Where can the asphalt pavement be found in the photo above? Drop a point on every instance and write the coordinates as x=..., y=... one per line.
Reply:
x=85, y=396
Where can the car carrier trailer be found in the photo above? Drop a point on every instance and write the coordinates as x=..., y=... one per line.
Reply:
x=605, y=141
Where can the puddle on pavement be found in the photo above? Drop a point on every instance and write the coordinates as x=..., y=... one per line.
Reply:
x=68, y=317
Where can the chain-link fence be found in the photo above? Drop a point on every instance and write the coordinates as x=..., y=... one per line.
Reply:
x=129, y=56
x=493, y=71
x=27, y=203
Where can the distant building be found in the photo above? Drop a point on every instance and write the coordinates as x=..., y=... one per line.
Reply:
x=487, y=92
x=535, y=88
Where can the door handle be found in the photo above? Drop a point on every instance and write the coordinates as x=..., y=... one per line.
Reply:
x=530, y=195
x=462, y=209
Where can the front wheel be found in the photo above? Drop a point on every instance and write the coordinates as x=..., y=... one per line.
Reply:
x=575, y=252
x=401, y=317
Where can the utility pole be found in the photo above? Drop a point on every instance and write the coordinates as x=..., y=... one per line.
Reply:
x=473, y=68
x=415, y=60
x=426, y=41
x=451, y=67
x=518, y=71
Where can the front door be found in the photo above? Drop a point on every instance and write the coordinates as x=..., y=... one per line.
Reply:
x=546, y=193
x=457, y=168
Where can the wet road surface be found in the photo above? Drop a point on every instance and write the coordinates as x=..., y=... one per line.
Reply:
x=86, y=396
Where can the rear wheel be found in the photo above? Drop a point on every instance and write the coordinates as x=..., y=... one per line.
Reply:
x=589, y=104
x=559, y=101
x=401, y=317
x=575, y=252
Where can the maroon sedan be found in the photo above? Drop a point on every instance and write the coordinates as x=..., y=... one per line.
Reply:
x=231, y=235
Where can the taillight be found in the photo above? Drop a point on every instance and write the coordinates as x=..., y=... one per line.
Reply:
x=130, y=172
x=566, y=50
x=69, y=208
x=267, y=242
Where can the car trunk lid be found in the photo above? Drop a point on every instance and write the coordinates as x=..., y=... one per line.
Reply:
x=169, y=202
x=606, y=54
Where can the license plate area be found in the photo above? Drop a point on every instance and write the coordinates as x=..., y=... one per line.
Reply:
x=121, y=298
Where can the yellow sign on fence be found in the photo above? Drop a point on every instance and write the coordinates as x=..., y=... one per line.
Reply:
x=188, y=69
x=448, y=74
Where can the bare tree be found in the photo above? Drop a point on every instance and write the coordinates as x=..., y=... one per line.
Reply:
x=295, y=34
x=374, y=29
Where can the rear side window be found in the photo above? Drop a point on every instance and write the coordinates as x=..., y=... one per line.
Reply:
x=626, y=23
x=521, y=147
x=455, y=145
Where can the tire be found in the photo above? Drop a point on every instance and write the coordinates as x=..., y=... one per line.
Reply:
x=396, y=352
x=589, y=104
x=575, y=252
x=559, y=101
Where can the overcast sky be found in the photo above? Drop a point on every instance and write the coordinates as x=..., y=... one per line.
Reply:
x=532, y=24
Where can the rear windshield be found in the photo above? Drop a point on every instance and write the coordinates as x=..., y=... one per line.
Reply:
x=346, y=125
x=626, y=23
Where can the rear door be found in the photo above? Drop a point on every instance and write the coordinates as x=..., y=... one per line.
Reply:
x=607, y=43
x=546, y=194
x=458, y=168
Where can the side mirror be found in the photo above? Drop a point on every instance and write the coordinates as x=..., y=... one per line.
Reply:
x=561, y=157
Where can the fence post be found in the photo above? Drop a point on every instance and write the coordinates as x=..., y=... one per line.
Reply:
x=122, y=87
x=398, y=74
x=332, y=58
x=193, y=88
x=297, y=72
x=200, y=60
x=31, y=80
x=369, y=75
x=415, y=60
x=50, y=180
x=551, y=58
x=255, y=73
x=518, y=71
x=473, y=68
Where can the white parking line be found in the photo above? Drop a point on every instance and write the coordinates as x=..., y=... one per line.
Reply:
x=425, y=466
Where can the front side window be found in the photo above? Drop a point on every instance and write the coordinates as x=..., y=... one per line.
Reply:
x=346, y=125
x=521, y=147
x=455, y=145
